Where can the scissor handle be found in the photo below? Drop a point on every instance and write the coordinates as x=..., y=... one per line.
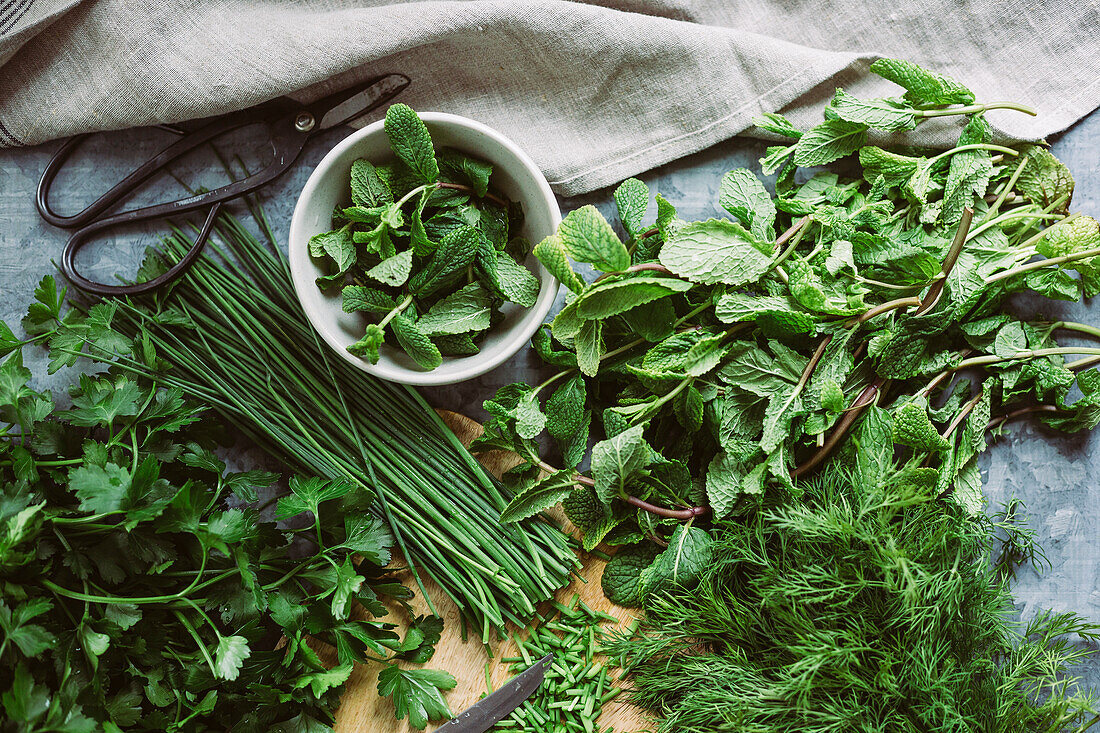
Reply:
x=81, y=237
x=142, y=173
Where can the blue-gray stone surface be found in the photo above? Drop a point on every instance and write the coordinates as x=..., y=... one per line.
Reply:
x=1057, y=477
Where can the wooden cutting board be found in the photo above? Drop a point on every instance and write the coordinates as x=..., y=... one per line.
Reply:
x=363, y=711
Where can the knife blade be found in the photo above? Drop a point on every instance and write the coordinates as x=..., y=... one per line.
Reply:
x=495, y=707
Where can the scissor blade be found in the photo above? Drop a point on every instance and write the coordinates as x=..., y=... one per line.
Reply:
x=496, y=707
x=350, y=104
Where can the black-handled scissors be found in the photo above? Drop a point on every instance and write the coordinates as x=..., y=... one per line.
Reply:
x=290, y=125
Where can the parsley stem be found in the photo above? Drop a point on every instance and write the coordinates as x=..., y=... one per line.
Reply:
x=975, y=109
x=121, y=600
x=198, y=640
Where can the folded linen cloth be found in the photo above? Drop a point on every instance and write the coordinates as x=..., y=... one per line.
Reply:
x=594, y=91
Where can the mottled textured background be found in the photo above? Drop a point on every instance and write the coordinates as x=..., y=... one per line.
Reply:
x=1057, y=477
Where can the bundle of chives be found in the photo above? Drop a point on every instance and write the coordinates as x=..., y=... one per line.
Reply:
x=247, y=349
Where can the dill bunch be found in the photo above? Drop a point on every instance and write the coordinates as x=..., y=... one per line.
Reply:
x=865, y=607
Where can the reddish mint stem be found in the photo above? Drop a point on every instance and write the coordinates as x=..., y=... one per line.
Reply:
x=660, y=511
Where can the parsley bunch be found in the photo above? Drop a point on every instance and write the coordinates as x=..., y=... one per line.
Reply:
x=425, y=251
x=713, y=364
x=139, y=588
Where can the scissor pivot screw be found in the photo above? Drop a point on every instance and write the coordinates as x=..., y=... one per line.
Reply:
x=304, y=122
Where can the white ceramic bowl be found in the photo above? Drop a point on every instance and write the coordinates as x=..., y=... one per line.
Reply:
x=514, y=174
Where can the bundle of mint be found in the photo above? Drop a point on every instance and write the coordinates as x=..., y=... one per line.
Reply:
x=787, y=406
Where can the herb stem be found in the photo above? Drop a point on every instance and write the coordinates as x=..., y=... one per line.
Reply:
x=1040, y=264
x=957, y=420
x=886, y=307
x=1010, y=216
x=864, y=400
x=932, y=297
x=1025, y=354
x=396, y=311
x=972, y=146
x=1006, y=190
x=640, y=267
x=461, y=187
x=791, y=247
x=659, y=511
x=792, y=230
x=1002, y=419
x=1074, y=326
x=975, y=109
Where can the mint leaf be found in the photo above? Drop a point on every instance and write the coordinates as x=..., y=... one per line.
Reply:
x=471, y=171
x=743, y=195
x=459, y=344
x=680, y=564
x=612, y=297
x=566, y=408
x=361, y=298
x=414, y=343
x=336, y=245
x=632, y=200
x=467, y=309
x=913, y=428
x=750, y=368
x=723, y=483
x=829, y=141
x=716, y=251
x=894, y=168
x=587, y=237
x=777, y=124
x=367, y=189
x=1045, y=179
x=741, y=307
x=923, y=87
x=551, y=253
x=393, y=271
x=416, y=693
x=881, y=114
x=367, y=347
x=455, y=252
x=411, y=143
x=622, y=574
x=505, y=277
x=589, y=345
x=547, y=492
x=616, y=460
